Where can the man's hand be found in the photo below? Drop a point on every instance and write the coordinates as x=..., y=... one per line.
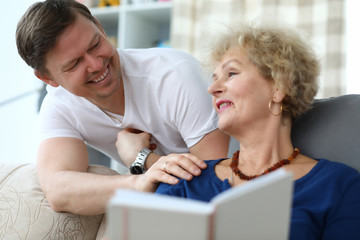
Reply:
x=184, y=166
x=165, y=169
x=129, y=143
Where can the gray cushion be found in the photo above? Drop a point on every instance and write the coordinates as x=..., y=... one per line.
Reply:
x=331, y=130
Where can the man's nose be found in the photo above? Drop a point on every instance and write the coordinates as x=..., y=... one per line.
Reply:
x=94, y=63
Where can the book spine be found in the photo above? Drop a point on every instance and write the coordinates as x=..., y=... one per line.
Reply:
x=211, y=227
x=125, y=225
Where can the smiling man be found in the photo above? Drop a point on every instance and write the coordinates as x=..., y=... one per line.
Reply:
x=149, y=102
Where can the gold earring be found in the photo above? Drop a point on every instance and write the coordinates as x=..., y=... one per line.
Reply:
x=270, y=107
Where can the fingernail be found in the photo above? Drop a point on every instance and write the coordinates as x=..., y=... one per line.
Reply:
x=173, y=181
x=188, y=176
x=197, y=171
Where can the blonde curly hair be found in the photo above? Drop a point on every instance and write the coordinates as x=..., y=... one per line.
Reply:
x=281, y=55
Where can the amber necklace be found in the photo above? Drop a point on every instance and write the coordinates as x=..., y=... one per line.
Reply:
x=279, y=164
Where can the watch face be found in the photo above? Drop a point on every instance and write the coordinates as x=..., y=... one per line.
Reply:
x=136, y=170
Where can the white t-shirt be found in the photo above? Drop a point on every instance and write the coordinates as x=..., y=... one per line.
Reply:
x=165, y=95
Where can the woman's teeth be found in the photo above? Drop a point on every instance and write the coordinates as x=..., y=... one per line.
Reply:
x=224, y=104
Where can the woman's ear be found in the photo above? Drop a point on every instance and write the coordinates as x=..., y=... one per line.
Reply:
x=278, y=94
x=45, y=78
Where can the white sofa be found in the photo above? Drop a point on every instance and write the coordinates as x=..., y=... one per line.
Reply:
x=26, y=214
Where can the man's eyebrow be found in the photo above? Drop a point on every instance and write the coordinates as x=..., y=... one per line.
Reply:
x=66, y=65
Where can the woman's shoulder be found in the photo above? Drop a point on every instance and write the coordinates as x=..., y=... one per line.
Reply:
x=202, y=187
x=336, y=167
x=212, y=163
x=330, y=173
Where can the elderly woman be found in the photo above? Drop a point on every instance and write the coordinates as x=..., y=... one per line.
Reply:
x=263, y=79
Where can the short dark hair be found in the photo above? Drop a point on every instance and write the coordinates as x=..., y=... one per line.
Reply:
x=40, y=26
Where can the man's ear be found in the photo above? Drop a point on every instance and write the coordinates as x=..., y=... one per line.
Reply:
x=45, y=78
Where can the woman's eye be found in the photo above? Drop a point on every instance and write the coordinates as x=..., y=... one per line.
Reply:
x=230, y=74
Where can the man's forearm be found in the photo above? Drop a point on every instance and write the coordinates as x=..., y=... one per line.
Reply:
x=84, y=193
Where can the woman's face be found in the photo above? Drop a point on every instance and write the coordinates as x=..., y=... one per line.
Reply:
x=240, y=93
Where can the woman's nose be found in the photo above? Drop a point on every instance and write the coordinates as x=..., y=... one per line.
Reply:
x=215, y=88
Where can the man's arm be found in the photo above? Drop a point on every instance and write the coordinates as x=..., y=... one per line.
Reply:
x=62, y=168
x=131, y=141
x=213, y=145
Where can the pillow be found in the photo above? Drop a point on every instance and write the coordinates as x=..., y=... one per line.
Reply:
x=26, y=214
x=331, y=130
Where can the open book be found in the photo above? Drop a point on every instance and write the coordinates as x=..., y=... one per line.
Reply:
x=259, y=209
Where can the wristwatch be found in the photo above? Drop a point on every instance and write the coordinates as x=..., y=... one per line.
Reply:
x=138, y=167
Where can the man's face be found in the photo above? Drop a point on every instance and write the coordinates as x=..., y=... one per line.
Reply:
x=84, y=62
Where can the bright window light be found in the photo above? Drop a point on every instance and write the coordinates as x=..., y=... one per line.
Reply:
x=353, y=47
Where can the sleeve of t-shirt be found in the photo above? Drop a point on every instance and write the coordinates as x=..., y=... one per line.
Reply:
x=188, y=104
x=56, y=120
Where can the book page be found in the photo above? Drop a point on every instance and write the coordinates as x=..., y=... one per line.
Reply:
x=136, y=215
x=259, y=209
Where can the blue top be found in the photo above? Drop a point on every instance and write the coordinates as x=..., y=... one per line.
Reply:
x=326, y=201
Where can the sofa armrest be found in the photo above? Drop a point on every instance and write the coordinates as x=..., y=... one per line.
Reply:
x=26, y=214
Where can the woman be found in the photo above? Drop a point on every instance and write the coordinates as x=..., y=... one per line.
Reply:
x=263, y=79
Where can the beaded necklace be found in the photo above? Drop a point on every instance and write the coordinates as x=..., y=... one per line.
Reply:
x=235, y=161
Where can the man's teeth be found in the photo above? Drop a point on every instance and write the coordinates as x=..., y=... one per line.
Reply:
x=224, y=104
x=102, y=76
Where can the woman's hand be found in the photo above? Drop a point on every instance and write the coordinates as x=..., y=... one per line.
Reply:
x=164, y=170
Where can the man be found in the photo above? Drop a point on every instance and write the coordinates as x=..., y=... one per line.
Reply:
x=96, y=91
